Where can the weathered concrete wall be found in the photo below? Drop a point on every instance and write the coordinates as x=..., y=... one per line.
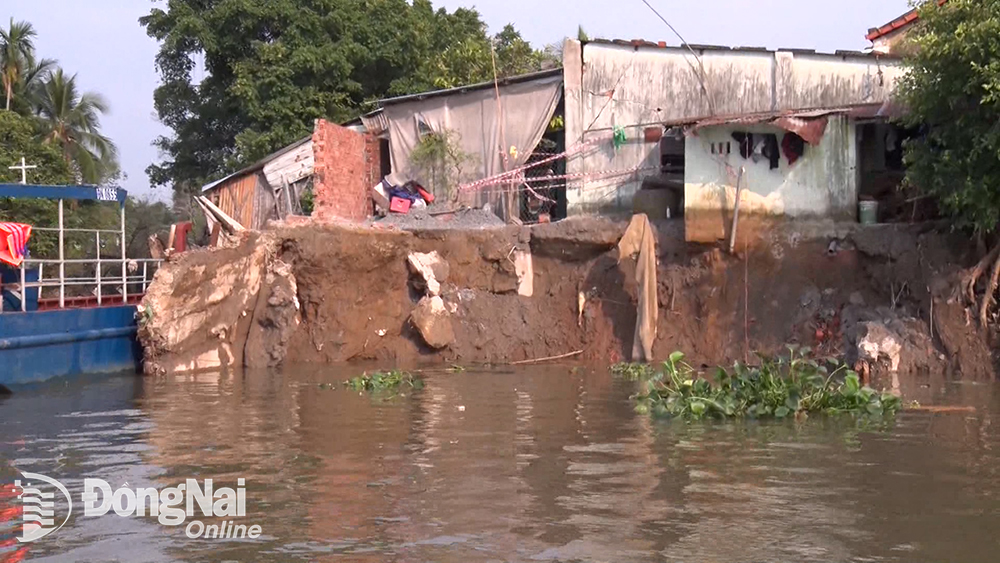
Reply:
x=610, y=85
x=823, y=183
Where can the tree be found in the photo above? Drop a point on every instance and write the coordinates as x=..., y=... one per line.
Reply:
x=27, y=90
x=18, y=139
x=72, y=122
x=952, y=95
x=272, y=68
x=17, y=53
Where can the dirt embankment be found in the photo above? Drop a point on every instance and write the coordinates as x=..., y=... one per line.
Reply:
x=334, y=294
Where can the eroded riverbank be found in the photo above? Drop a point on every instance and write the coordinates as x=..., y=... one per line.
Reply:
x=324, y=294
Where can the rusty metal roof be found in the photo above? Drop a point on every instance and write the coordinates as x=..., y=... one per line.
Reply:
x=810, y=124
x=898, y=23
x=539, y=75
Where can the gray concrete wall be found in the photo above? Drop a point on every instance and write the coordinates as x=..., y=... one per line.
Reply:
x=823, y=183
x=610, y=85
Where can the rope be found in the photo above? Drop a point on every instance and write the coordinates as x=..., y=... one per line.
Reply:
x=514, y=174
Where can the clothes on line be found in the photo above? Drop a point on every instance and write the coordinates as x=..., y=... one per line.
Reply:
x=765, y=146
x=793, y=146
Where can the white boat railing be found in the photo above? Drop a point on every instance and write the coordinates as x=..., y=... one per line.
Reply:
x=131, y=277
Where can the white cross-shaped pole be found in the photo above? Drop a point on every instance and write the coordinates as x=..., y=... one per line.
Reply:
x=24, y=170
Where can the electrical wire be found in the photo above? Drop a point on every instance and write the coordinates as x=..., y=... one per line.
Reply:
x=701, y=76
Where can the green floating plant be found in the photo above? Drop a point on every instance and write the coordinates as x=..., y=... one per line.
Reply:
x=384, y=381
x=782, y=387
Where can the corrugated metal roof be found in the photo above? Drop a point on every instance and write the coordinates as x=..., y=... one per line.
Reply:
x=637, y=43
x=794, y=119
x=472, y=87
x=375, y=122
x=259, y=165
x=900, y=22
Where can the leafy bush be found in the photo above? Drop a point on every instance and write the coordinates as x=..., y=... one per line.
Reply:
x=778, y=388
x=384, y=381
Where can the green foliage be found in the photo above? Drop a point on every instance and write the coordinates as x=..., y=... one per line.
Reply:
x=442, y=163
x=952, y=92
x=17, y=55
x=384, y=381
x=19, y=137
x=779, y=388
x=271, y=68
x=71, y=120
x=66, y=118
x=633, y=372
x=307, y=201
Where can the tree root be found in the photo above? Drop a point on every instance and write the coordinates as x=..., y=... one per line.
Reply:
x=984, y=308
x=969, y=281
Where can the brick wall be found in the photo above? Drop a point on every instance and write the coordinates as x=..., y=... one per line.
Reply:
x=347, y=165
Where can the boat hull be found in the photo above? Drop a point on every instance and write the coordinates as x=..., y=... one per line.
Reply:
x=40, y=345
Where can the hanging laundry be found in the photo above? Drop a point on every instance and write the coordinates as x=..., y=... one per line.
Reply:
x=619, y=138
x=771, y=151
x=14, y=242
x=746, y=143
x=793, y=146
x=758, y=149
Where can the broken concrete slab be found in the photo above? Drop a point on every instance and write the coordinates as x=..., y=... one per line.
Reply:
x=524, y=268
x=430, y=269
x=879, y=342
x=433, y=322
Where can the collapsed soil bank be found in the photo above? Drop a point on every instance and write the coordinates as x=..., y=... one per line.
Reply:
x=323, y=294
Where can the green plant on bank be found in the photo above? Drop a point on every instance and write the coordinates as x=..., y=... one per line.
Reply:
x=442, y=162
x=307, y=201
x=792, y=386
x=384, y=381
x=633, y=371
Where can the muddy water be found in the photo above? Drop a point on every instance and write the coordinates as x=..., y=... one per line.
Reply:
x=538, y=465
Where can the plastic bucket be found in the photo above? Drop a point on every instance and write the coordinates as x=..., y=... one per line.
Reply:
x=868, y=212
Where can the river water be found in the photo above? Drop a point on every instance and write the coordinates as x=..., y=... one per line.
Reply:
x=547, y=464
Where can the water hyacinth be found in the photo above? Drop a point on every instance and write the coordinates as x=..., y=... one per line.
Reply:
x=384, y=381
x=792, y=386
x=633, y=371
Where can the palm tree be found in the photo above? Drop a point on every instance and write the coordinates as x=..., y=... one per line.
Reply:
x=17, y=53
x=28, y=89
x=72, y=121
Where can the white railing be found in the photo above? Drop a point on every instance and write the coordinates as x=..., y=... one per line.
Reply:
x=137, y=273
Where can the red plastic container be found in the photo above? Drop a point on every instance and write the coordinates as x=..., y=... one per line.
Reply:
x=428, y=197
x=399, y=205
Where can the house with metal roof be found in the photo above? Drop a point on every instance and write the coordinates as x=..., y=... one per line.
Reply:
x=336, y=166
x=620, y=94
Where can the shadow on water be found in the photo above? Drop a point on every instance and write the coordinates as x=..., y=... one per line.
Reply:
x=542, y=464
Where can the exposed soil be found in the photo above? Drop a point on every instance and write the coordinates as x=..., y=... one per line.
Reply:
x=354, y=297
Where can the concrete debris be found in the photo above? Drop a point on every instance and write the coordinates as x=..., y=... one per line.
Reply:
x=877, y=343
x=431, y=271
x=432, y=321
x=431, y=219
x=525, y=273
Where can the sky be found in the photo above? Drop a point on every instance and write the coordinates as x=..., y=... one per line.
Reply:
x=102, y=42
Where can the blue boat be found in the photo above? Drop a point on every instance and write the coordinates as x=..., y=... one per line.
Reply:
x=55, y=323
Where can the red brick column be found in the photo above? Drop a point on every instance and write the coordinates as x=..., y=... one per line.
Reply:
x=347, y=165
